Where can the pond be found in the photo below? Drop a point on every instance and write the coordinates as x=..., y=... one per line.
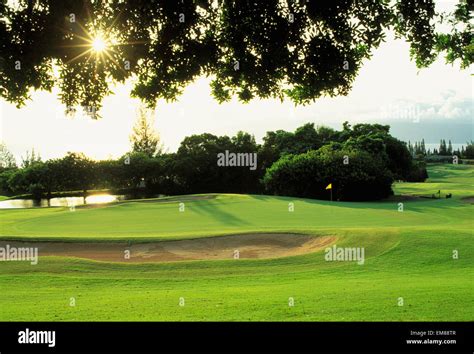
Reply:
x=61, y=202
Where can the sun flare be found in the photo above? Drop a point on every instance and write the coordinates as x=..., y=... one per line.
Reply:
x=99, y=45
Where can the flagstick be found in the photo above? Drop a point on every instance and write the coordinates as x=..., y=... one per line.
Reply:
x=331, y=193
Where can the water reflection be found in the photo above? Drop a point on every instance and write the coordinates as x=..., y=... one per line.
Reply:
x=101, y=198
x=60, y=202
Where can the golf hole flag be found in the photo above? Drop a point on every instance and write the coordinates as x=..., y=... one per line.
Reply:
x=329, y=186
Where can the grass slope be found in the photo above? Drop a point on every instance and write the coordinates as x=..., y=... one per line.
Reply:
x=408, y=255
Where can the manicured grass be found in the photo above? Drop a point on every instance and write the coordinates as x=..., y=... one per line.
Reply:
x=408, y=255
x=225, y=214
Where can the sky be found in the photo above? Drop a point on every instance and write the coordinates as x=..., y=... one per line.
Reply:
x=431, y=103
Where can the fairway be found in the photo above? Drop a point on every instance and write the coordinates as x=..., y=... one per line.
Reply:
x=409, y=272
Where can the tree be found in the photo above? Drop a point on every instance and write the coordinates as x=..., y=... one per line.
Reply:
x=7, y=160
x=469, y=151
x=442, y=148
x=30, y=179
x=30, y=159
x=410, y=148
x=372, y=138
x=398, y=159
x=306, y=175
x=295, y=49
x=5, y=177
x=17, y=181
x=76, y=172
x=423, y=148
x=459, y=44
x=417, y=172
x=274, y=145
x=137, y=171
x=243, y=180
x=144, y=138
x=305, y=138
x=197, y=170
x=196, y=163
x=368, y=137
x=450, y=148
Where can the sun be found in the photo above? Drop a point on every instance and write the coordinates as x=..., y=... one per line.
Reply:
x=99, y=45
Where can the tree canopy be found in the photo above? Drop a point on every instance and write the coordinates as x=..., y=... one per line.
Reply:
x=365, y=177
x=299, y=49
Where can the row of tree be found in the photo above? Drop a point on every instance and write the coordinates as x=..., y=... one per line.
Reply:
x=360, y=161
x=419, y=149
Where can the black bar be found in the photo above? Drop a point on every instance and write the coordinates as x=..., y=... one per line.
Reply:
x=315, y=337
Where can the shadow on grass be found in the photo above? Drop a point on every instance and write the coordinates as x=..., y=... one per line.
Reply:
x=215, y=211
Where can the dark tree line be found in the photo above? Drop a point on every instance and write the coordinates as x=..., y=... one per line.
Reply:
x=445, y=149
x=361, y=161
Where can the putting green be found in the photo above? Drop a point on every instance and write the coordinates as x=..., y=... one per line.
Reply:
x=231, y=214
x=418, y=262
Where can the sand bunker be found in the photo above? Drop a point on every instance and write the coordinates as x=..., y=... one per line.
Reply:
x=208, y=248
x=468, y=200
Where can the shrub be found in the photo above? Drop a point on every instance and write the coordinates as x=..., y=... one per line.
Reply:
x=364, y=177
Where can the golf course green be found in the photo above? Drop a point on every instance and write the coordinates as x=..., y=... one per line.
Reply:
x=419, y=259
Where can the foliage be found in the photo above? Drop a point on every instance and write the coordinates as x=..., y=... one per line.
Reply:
x=30, y=159
x=196, y=164
x=7, y=160
x=144, y=138
x=417, y=173
x=363, y=177
x=459, y=43
x=285, y=159
x=469, y=152
x=304, y=139
x=295, y=49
